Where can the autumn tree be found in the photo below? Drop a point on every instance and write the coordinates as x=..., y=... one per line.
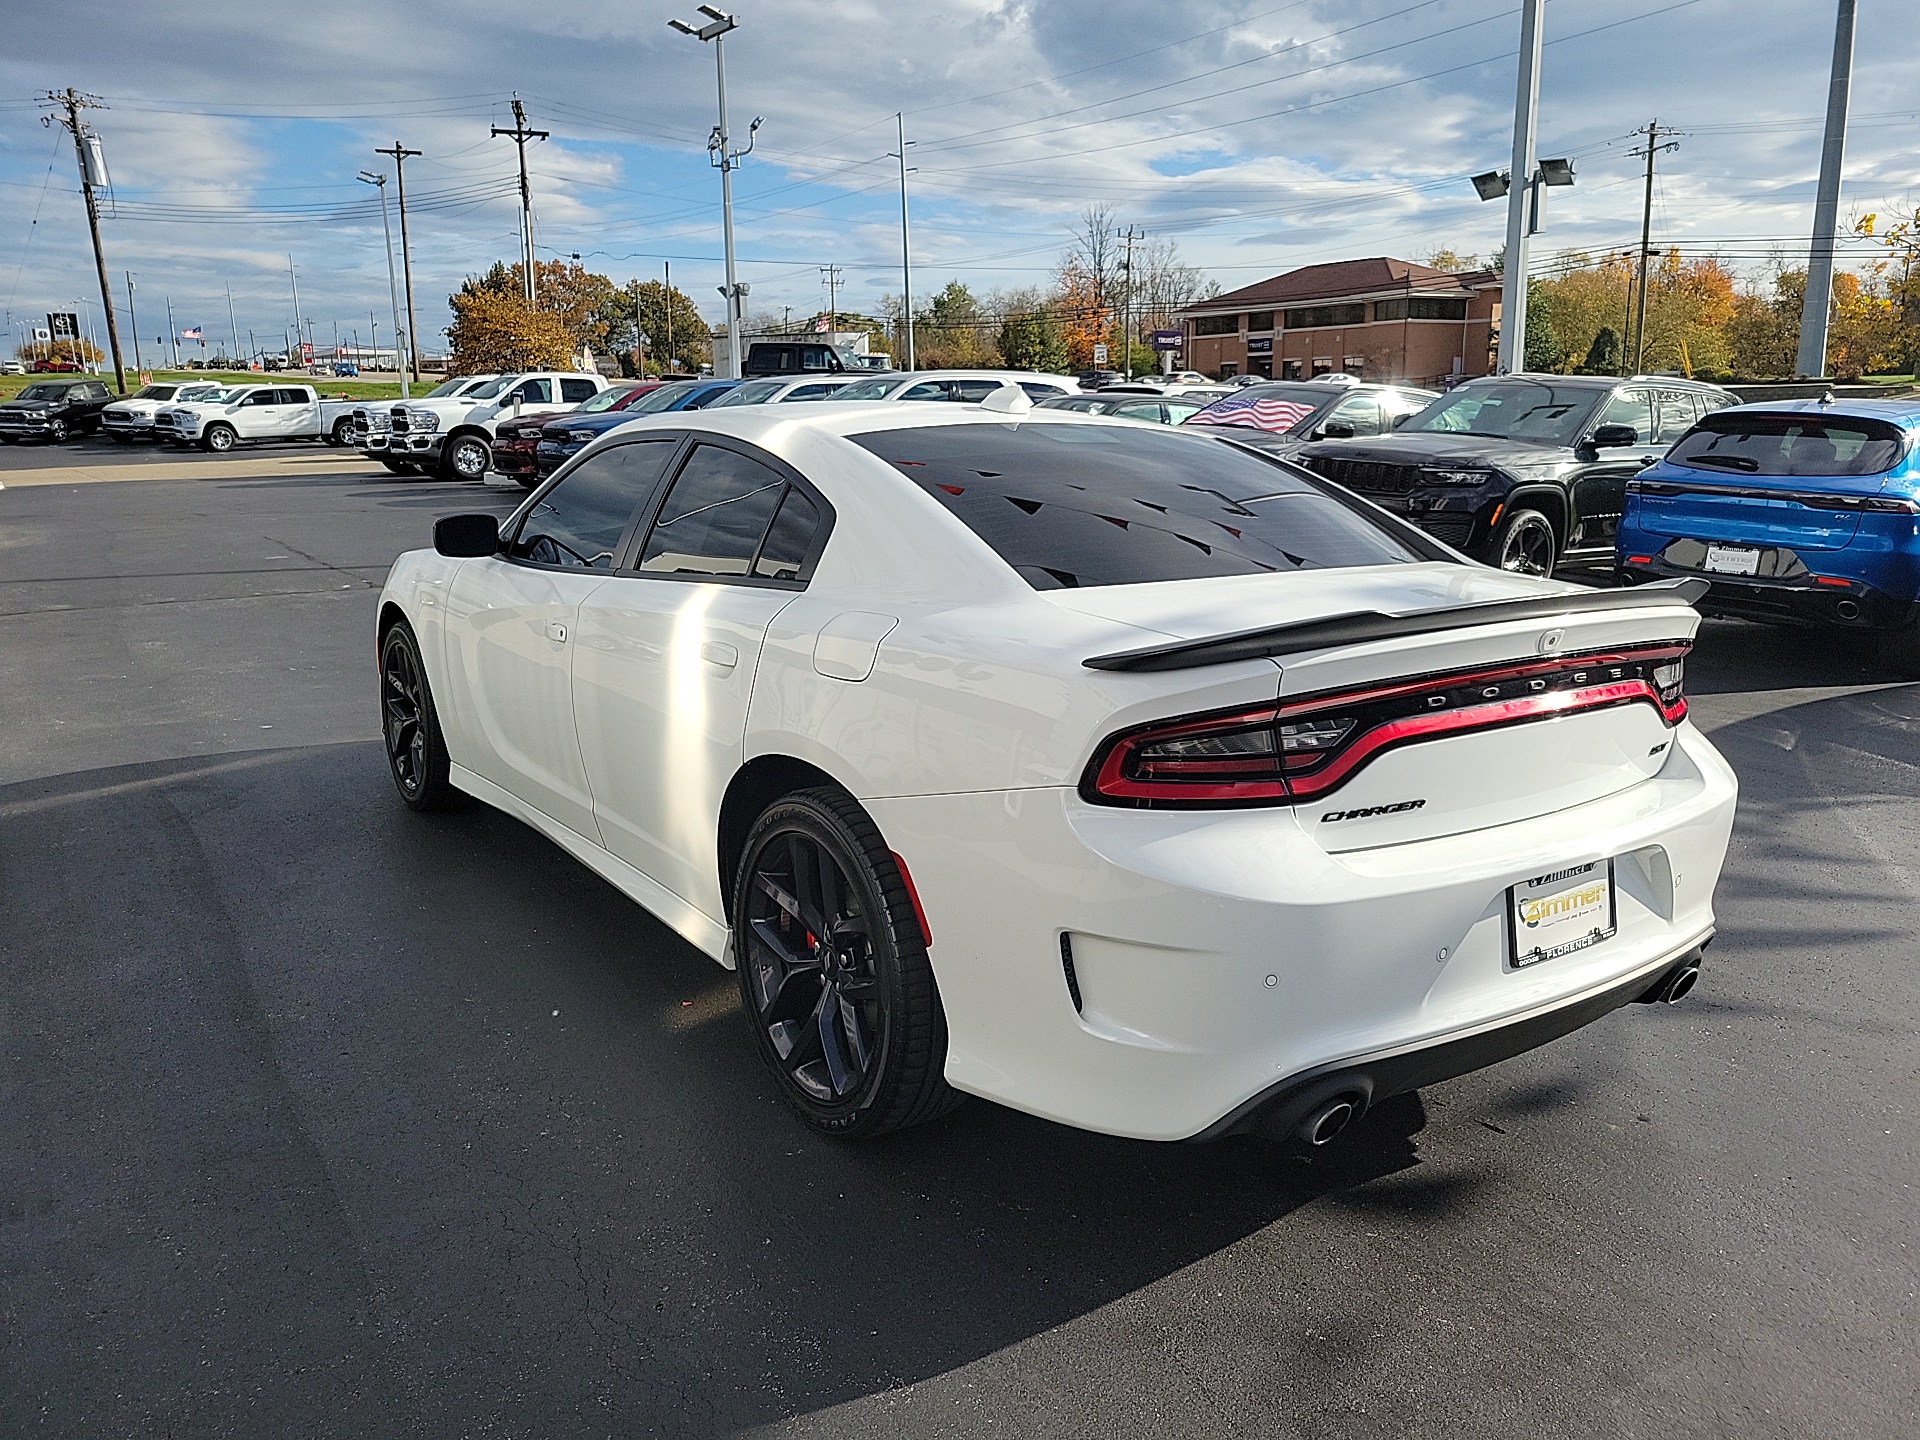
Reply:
x=495, y=332
x=678, y=340
x=1031, y=340
x=951, y=333
x=75, y=348
x=585, y=302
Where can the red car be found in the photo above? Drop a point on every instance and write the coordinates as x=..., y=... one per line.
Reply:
x=514, y=441
x=57, y=365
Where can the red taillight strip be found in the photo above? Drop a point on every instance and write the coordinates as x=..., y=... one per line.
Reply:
x=1110, y=781
x=1481, y=717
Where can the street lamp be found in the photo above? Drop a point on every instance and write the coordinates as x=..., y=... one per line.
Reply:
x=377, y=178
x=722, y=155
x=1525, y=218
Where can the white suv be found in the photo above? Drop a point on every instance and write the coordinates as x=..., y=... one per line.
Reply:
x=454, y=433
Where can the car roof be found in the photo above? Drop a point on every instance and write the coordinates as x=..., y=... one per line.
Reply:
x=1904, y=413
x=1599, y=382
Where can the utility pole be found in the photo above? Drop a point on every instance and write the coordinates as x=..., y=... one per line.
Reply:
x=906, y=246
x=1653, y=132
x=86, y=148
x=722, y=155
x=1526, y=111
x=520, y=135
x=253, y=349
x=832, y=272
x=173, y=336
x=669, y=282
x=1812, y=361
x=372, y=177
x=232, y=325
x=410, y=341
x=296, y=310
x=1126, y=300
x=134, y=321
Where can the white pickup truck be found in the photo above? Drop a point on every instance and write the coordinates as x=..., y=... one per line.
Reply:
x=256, y=412
x=453, y=433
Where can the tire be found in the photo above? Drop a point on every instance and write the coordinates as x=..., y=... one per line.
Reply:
x=58, y=431
x=342, y=432
x=1525, y=544
x=410, y=726
x=859, y=1054
x=465, y=457
x=1900, y=650
x=401, y=467
x=220, y=438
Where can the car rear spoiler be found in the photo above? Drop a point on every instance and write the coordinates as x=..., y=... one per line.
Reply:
x=1357, y=627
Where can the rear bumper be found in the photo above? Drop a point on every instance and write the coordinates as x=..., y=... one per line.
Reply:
x=1222, y=960
x=1805, y=599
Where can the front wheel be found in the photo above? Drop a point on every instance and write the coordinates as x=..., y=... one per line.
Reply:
x=1524, y=544
x=466, y=458
x=416, y=750
x=220, y=438
x=58, y=431
x=834, y=972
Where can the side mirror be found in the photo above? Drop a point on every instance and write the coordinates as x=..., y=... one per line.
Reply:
x=1336, y=430
x=462, y=537
x=1612, y=437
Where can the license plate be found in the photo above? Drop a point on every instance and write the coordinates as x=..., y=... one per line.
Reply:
x=1558, y=913
x=1732, y=560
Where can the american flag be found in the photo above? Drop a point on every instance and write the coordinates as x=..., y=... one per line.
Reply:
x=193, y=334
x=1255, y=411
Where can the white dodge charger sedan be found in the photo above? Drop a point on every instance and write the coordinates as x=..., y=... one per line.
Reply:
x=1124, y=776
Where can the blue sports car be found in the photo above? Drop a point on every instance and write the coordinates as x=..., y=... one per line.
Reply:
x=568, y=435
x=1802, y=512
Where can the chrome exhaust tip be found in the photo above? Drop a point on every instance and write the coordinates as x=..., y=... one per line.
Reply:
x=1324, y=1124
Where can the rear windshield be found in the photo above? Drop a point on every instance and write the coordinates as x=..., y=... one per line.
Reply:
x=1081, y=505
x=1789, y=445
x=1510, y=410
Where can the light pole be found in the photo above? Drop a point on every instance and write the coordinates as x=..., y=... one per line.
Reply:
x=133, y=323
x=393, y=293
x=722, y=155
x=1816, y=304
x=906, y=248
x=1526, y=203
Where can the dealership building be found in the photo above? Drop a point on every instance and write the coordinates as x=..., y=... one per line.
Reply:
x=1380, y=319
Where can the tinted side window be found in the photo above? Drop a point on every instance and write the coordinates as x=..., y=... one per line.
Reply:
x=294, y=397
x=579, y=522
x=1362, y=412
x=972, y=392
x=1037, y=392
x=1068, y=505
x=1631, y=407
x=262, y=397
x=925, y=390
x=534, y=392
x=790, y=539
x=808, y=392
x=574, y=391
x=816, y=358
x=1139, y=410
x=714, y=517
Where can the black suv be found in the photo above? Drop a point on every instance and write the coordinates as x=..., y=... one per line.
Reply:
x=1522, y=471
x=53, y=410
x=788, y=360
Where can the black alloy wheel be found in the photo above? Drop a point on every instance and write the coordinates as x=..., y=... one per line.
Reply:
x=467, y=458
x=1525, y=545
x=834, y=972
x=57, y=430
x=416, y=751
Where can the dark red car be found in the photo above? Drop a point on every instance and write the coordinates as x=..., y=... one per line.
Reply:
x=514, y=441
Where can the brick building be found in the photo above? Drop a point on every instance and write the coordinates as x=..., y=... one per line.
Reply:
x=1382, y=319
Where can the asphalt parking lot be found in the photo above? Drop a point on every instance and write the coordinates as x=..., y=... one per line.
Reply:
x=318, y=1117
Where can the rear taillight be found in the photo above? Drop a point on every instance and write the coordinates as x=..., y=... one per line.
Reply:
x=1306, y=748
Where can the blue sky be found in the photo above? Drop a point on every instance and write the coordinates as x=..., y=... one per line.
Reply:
x=1259, y=135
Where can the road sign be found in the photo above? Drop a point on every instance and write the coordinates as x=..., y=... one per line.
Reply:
x=1099, y=354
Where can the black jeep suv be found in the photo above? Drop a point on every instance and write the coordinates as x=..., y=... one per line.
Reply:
x=53, y=410
x=1522, y=471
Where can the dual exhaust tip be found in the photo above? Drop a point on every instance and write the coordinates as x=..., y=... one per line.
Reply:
x=1327, y=1118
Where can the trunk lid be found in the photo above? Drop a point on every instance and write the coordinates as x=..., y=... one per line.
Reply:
x=1477, y=718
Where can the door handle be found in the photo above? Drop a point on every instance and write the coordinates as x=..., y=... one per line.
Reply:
x=718, y=652
x=556, y=632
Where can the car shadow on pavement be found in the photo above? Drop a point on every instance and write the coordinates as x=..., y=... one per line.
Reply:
x=301, y=1084
x=1734, y=656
